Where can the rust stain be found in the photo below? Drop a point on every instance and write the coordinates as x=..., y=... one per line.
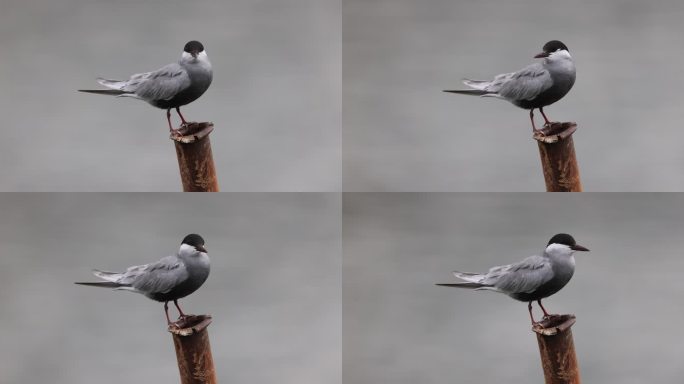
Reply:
x=196, y=163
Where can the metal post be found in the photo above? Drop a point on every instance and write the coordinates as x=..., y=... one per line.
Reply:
x=557, y=349
x=557, y=152
x=195, y=159
x=193, y=352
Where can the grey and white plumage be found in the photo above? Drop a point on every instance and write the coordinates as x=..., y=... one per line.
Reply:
x=171, y=86
x=533, y=87
x=169, y=279
x=532, y=279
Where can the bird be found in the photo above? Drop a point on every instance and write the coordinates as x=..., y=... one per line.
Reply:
x=171, y=86
x=169, y=279
x=532, y=279
x=533, y=87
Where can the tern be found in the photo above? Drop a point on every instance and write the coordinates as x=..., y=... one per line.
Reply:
x=532, y=279
x=171, y=86
x=533, y=87
x=169, y=279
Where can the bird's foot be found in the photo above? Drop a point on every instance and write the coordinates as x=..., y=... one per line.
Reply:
x=192, y=324
x=186, y=128
x=191, y=132
x=553, y=324
x=184, y=319
x=552, y=128
x=174, y=325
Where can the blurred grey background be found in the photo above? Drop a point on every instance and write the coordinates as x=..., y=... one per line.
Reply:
x=275, y=99
x=402, y=133
x=274, y=288
x=399, y=328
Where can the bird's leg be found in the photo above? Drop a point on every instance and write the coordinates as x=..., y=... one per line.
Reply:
x=543, y=114
x=174, y=132
x=181, y=116
x=168, y=118
x=166, y=310
x=546, y=314
x=534, y=129
x=182, y=315
x=529, y=308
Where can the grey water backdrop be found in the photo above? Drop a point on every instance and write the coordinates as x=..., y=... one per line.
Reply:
x=274, y=289
x=402, y=133
x=275, y=98
x=399, y=328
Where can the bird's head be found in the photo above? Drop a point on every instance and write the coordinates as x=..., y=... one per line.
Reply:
x=554, y=50
x=563, y=244
x=192, y=244
x=193, y=51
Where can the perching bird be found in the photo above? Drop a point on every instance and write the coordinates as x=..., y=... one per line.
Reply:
x=532, y=279
x=172, y=86
x=533, y=87
x=169, y=279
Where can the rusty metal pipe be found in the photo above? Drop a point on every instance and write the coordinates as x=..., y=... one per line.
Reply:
x=557, y=349
x=557, y=152
x=195, y=159
x=193, y=352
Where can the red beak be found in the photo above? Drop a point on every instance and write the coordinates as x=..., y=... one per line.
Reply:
x=541, y=55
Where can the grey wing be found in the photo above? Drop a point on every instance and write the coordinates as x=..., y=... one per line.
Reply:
x=160, y=277
x=162, y=84
x=525, y=84
x=524, y=276
x=129, y=86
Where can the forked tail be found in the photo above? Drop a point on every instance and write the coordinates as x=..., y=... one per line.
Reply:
x=473, y=281
x=111, y=92
x=102, y=284
x=471, y=92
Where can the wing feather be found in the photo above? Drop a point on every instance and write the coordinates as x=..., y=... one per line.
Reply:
x=162, y=84
x=159, y=277
x=525, y=84
x=522, y=277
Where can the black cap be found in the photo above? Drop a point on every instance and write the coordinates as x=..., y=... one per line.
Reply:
x=565, y=239
x=194, y=240
x=562, y=238
x=551, y=46
x=195, y=46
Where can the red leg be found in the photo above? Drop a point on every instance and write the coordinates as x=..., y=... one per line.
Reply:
x=182, y=315
x=534, y=129
x=529, y=308
x=166, y=310
x=168, y=117
x=181, y=116
x=545, y=119
x=546, y=314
